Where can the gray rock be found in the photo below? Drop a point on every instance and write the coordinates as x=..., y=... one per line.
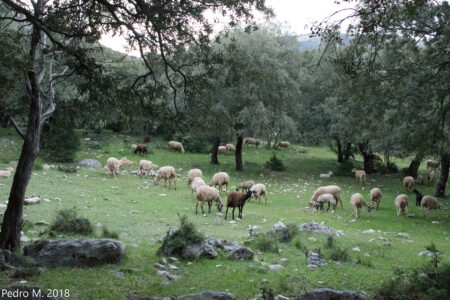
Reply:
x=241, y=253
x=326, y=294
x=120, y=274
x=279, y=227
x=76, y=253
x=208, y=295
x=173, y=259
x=9, y=260
x=276, y=267
x=90, y=163
x=314, y=259
x=173, y=277
x=26, y=272
x=426, y=253
x=163, y=273
x=192, y=251
x=316, y=227
x=159, y=266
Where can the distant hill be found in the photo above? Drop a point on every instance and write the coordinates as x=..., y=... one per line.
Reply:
x=307, y=43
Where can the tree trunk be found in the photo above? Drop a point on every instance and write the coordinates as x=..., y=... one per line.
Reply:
x=414, y=166
x=238, y=153
x=4, y=118
x=368, y=158
x=214, y=150
x=348, y=152
x=440, y=185
x=340, y=153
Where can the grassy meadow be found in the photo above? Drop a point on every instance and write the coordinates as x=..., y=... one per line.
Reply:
x=142, y=213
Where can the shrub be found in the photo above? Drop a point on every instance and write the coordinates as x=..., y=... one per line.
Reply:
x=331, y=243
x=266, y=242
x=300, y=246
x=175, y=241
x=67, y=168
x=67, y=222
x=275, y=164
x=339, y=254
x=106, y=233
x=344, y=169
x=288, y=234
x=37, y=166
x=193, y=144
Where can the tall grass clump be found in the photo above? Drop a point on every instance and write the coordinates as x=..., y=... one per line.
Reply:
x=266, y=242
x=274, y=164
x=67, y=221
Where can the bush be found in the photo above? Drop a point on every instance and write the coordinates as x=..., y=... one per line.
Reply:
x=344, y=169
x=67, y=168
x=37, y=166
x=175, y=241
x=339, y=254
x=194, y=144
x=275, y=164
x=67, y=222
x=106, y=233
x=287, y=235
x=331, y=243
x=266, y=242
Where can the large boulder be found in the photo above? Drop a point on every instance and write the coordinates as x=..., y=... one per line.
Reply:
x=327, y=294
x=314, y=259
x=9, y=260
x=318, y=228
x=76, y=253
x=90, y=163
x=241, y=253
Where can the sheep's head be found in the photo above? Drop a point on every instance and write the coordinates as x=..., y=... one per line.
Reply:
x=219, y=205
x=311, y=202
x=249, y=194
x=353, y=170
x=369, y=207
x=156, y=180
x=9, y=169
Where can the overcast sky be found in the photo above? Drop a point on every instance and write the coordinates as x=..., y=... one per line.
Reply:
x=295, y=14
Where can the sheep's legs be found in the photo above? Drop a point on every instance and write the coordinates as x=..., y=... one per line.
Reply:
x=240, y=211
x=174, y=184
x=226, y=213
x=265, y=200
x=196, y=207
x=209, y=206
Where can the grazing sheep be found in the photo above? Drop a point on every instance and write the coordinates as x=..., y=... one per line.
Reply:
x=375, y=196
x=220, y=179
x=7, y=173
x=325, y=198
x=432, y=164
x=176, y=146
x=327, y=175
x=167, y=172
x=329, y=189
x=141, y=148
x=401, y=203
x=357, y=200
x=222, y=150
x=127, y=162
x=145, y=166
x=208, y=194
x=113, y=164
x=192, y=174
x=430, y=177
x=251, y=141
x=133, y=147
x=237, y=199
x=147, y=139
x=429, y=203
x=259, y=190
x=361, y=175
x=408, y=182
x=245, y=186
x=419, y=180
x=418, y=197
x=230, y=148
x=284, y=144
x=197, y=182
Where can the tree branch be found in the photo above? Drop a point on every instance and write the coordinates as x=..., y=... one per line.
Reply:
x=17, y=128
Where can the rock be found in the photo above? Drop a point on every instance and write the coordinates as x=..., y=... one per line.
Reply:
x=173, y=277
x=276, y=267
x=403, y=234
x=192, y=251
x=25, y=239
x=241, y=253
x=173, y=259
x=42, y=223
x=356, y=249
x=284, y=259
x=426, y=253
x=434, y=222
x=369, y=231
x=173, y=268
x=314, y=259
x=119, y=274
x=281, y=297
x=208, y=295
x=76, y=253
x=132, y=245
x=313, y=239
x=316, y=227
x=163, y=273
x=32, y=200
x=311, y=266
x=326, y=294
x=279, y=227
x=9, y=260
x=387, y=244
x=26, y=272
x=411, y=215
x=90, y=163
x=163, y=260
x=159, y=266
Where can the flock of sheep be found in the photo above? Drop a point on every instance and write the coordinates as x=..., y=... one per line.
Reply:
x=327, y=194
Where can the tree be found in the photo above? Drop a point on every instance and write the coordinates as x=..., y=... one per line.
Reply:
x=62, y=31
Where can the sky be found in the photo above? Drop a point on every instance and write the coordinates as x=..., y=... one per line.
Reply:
x=296, y=15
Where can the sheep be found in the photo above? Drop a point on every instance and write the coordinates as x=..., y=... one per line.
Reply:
x=408, y=182
x=208, y=194
x=325, y=198
x=361, y=175
x=192, y=174
x=245, y=186
x=167, y=172
x=237, y=199
x=327, y=175
x=430, y=177
x=284, y=144
x=432, y=164
x=220, y=179
x=258, y=191
x=7, y=173
x=375, y=196
x=127, y=162
x=329, y=189
x=197, y=182
x=141, y=148
x=222, y=150
x=429, y=203
x=419, y=180
x=133, y=147
x=251, y=141
x=357, y=200
x=401, y=203
x=176, y=146
x=145, y=166
x=113, y=164
x=419, y=197
x=230, y=148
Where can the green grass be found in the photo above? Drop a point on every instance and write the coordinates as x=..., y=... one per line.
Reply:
x=141, y=213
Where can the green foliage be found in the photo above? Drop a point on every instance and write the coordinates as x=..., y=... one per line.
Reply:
x=106, y=233
x=175, y=241
x=67, y=168
x=275, y=164
x=266, y=242
x=194, y=144
x=344, y=169
x=331, y=243
x=339, y=254
x=385, y=169
x=38, y=165
x=66, y=221
x=287, y=235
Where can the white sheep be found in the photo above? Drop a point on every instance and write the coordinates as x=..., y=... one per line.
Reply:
x=222, y=150
x=375, y=196
x=208, y=194
x=401, y=203
x=430, y=176
x=251, y=141
x=325, y=198
x=127, y=163
x=168, y=173
x=220, y=179
x=357, y=201
x=113, y=164
x=192, y=174
x=133, y=147
x=230, y=148
x=361, y=175
x=432, y=164
x=419, y=180
x=259, y=190
x=245, y=186
x=408, y=182
x=176, y=146
x=7, y=173
x=327, y=175
x=329, y=189
x=145, y=166
x=196, y=182
x=284, y=144
x=429, y=203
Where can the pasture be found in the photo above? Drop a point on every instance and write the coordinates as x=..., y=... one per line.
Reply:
x=142, y=214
